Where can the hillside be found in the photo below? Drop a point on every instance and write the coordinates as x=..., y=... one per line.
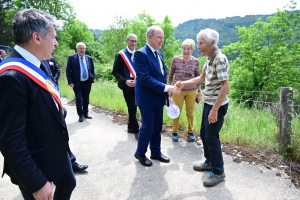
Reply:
x=225, y=27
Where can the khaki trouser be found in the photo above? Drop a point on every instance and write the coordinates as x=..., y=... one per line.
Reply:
x=189, y=98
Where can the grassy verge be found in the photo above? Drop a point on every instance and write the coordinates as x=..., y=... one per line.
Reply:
x=252, y=127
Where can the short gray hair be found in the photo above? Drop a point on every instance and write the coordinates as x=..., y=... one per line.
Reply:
x=210, y=35
x=80, y=44
x=131, y=35
x=188, y=42
x=151, y=30
x=28, y=21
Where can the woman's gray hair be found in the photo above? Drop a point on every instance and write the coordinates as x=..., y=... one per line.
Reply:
x=28, y=21
x=188, y=43
x=210, y=35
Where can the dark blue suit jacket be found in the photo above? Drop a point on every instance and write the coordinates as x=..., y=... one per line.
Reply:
x=150, y=82
x=54, y=71
x=73, y=69
x=33, y=133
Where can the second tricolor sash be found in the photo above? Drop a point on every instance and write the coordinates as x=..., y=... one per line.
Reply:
x=123, y=53
x=34, y=73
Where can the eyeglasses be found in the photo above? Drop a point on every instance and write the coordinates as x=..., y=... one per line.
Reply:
x=133, y=41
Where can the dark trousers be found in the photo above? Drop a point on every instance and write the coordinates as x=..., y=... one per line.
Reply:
x=72, y=158
x=70, y=154
x=150, y=132
x=209, y=134
x=63, y=187
x=129, y=96
x=82, y=93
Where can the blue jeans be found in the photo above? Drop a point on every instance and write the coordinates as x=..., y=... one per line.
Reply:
x=63, y=187
x=209, y=134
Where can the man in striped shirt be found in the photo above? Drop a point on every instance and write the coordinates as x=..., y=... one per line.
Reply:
x=215, y=74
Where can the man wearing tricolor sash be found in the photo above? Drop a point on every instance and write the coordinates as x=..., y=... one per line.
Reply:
x=124, y=73
x=33, y=133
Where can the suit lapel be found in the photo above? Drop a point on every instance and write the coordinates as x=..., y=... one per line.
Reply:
x=155, y=61
x=49, y=101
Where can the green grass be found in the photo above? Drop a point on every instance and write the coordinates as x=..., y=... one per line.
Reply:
x=242, y=126
x=249, y=127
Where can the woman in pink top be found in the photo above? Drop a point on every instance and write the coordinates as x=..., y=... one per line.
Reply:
x=185, y=67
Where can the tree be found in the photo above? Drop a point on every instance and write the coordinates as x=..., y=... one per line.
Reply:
x=268, y=57
x=6, y=33
x=171, y=46
x=76, y=31
x=61, y=9
x=113, y=39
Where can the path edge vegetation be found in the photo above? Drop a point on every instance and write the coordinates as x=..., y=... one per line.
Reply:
x=243, y=126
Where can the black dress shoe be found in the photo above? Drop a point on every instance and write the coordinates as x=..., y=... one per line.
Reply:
x=137, y=136
x=88, y=116
x=78, y=168
x=143, y=160
x=80, y=119
x=161, y=158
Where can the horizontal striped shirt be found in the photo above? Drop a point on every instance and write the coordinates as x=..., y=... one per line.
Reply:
x=216, y=70
x=183, y=71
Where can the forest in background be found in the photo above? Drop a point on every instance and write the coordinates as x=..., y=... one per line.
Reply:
x=226, y=28
x=264, y=50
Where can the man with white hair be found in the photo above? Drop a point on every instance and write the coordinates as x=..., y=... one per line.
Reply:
x=152, y=94
x=80, y=74
x=215, y=74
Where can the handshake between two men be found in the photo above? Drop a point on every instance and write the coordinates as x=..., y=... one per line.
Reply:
x=177, y=87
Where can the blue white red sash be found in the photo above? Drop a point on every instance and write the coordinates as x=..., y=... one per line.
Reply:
x=128, y=62
x=34, y=73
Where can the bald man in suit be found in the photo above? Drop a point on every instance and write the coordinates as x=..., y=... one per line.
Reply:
x=152, y=94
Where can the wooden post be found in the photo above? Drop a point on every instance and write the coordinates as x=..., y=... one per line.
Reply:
x=285, y=123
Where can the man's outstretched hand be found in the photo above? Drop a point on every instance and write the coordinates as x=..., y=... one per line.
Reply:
x=174, y=89
x=179, y=84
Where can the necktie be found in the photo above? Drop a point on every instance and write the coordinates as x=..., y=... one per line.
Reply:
x=161, y=69
x=130, y=54
x=83, y=69
x=156, y=55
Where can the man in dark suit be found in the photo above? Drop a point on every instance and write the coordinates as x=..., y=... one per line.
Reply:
x=80, y=74
x=124, y=73
x=53, y=71
x=2, y=55
x=152, y=94
x=33, y=133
